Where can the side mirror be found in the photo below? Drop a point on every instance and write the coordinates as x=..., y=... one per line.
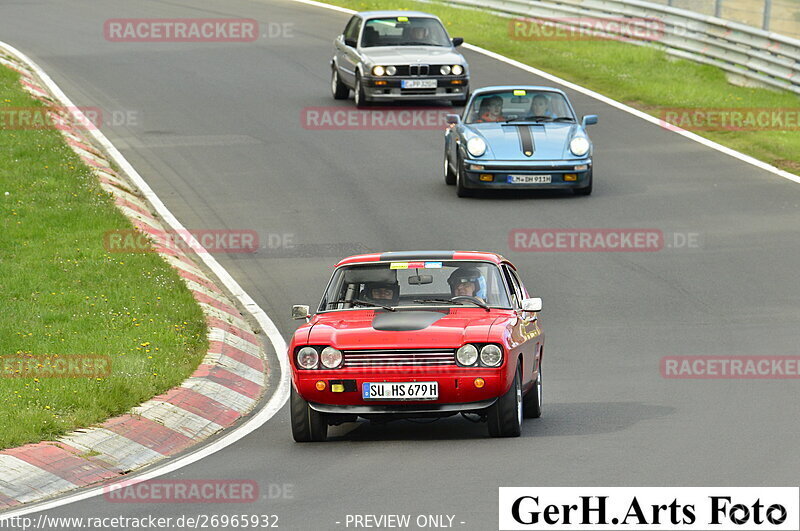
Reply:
x=589, y=119
x=458, y=41
x=453, y=119
x=350, y=42
x=300, y=311
x=533, y=304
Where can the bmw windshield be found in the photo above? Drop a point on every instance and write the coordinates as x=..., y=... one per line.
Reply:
x=404, y=31
x=416, y=284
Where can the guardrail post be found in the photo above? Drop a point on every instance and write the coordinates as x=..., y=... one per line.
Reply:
x=717, y=8
x=767, y=14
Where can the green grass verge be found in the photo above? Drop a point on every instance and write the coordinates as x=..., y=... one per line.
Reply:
x=63, y=294
x=643, y=77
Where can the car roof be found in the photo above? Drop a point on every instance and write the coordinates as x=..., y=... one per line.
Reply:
x=405, y=256
x=517, y=87
x=380, y=14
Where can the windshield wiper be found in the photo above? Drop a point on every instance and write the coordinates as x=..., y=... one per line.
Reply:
x=530, y=119
x=363, y=303
x=564, y=119
x=412, y=43
x=456, y=300
x=436, y=301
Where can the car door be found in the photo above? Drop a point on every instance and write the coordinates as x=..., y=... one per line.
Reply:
x=526, y=330
x=346, y=53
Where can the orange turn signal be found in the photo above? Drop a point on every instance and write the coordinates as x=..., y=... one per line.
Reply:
x=487, y=177
x=570, y=177
x=380, y=82
x=479, y=382
x=320, y=385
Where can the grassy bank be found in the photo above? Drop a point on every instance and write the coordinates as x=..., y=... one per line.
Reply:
x=64, y=295
x=640, y=76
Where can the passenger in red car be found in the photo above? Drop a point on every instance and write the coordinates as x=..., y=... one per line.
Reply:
x=382, y=293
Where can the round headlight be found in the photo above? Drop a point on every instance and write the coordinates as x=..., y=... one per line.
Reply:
x=491, y=355
x=390, y=70
x=476, y=146
x=457, y=70
x=331, y=358
x=579, y=146
x=445, y=69
x=307, y=358
x=467, y=355
x=378, y=70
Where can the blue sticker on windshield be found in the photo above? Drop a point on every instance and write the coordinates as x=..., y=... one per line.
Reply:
x=433, y=265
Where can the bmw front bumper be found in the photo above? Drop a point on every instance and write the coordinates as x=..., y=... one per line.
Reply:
x=388, y=88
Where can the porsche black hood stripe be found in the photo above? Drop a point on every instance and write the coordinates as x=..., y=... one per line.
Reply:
x=526, y=140
x=417, y=255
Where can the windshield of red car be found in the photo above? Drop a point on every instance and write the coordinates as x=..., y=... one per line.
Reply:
x=404, y=31
x=519, y=105
x=415, y=284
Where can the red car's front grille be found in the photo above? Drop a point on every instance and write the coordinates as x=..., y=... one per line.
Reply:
x=399, y=357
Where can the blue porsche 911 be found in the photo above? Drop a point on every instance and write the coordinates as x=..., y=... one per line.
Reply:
x=518, y=137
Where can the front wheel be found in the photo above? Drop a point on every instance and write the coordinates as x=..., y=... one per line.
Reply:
x=359, y=95
x=338, y=89
x=532, y=402
x=461, y=189
x=505, y=416
x=449, y=176
x=308, y=425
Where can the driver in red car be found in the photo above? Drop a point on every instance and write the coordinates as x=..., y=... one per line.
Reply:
x=467, y=282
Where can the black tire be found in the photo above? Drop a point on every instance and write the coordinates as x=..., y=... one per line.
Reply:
x=449, y=176
x=338, y=89
x=359, y=95
x=505, y=416
x=586, y=190
x=307, y=425
x=461, y=190
x=532, y=402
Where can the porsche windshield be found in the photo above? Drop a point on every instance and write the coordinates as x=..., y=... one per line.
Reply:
x=416, y=284
x=520, y=105
x=404, y=31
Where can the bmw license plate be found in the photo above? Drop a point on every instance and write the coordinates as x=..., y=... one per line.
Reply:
x=400, y=390
x=530, y=179
x=418, y=83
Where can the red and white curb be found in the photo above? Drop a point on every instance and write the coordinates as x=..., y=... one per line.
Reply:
x=227, y=385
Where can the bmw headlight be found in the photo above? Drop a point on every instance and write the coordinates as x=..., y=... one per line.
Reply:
x=457, y=70
x=331, y=358
x=491, y=355
x=467, y=355
x=391, y=70
x=307, y=358
x=476, y=146
x=445, y=69
x=579, y=146
x=378, y=70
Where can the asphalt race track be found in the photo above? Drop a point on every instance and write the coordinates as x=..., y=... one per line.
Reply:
x=218, y=135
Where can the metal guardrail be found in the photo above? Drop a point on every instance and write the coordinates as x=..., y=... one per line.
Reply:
x=761, y=56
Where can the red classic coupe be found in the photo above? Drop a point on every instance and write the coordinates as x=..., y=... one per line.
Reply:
x=418, y=334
